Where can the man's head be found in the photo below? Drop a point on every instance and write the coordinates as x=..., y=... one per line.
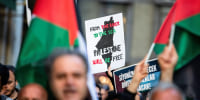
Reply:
x=32, y=91
x=9, y=88
x=67, y=72
x=166, y=91
x=4, y=74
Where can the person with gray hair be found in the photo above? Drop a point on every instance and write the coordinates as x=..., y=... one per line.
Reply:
x=166, y=91
x=67, y=74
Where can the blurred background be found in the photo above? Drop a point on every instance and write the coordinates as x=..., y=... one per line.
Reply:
x=142, y=19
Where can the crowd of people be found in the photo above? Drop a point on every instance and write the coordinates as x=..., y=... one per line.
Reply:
x=67, y=78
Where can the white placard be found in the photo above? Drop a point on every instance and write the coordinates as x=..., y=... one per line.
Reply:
x=105, y=42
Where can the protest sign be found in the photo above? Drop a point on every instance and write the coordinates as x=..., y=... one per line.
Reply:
x=123, y=77
x=105, y=42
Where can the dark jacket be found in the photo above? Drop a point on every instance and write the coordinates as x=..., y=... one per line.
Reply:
x=126, y=95
x=3, y=97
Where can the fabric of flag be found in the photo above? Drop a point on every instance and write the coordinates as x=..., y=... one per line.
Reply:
x=54, y=25
x=9, y=3
x=185, y=15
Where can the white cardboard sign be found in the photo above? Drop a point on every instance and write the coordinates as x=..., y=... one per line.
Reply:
x=105, y=42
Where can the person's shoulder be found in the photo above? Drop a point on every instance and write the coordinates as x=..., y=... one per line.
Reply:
x=3, y=97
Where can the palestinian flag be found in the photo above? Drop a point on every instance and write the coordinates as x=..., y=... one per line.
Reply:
x=185, y=15
x=54, y=25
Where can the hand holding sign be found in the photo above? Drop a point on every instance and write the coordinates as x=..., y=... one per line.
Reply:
x=135, y=78
x=140, y=72
x=167, y=61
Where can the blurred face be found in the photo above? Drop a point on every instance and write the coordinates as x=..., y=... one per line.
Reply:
x=9, y=88
x=68, y=78
x=169, y=94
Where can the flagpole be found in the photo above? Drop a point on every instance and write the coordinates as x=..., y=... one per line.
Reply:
x=171, y=39
x=28, y=13
x=149, y=52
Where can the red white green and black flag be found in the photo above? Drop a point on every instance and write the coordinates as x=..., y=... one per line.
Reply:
x=54, y=24
x=182, y=27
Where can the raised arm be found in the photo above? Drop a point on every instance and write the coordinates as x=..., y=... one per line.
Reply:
x=167, y=61
x=140, y=72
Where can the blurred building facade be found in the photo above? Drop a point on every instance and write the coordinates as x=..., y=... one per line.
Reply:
x=142, y=19
x=11, y=31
